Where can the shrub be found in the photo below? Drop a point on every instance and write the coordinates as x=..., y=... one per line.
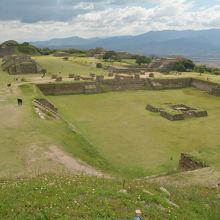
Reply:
x=143, y=60
x=98, y=65
x=110, y=55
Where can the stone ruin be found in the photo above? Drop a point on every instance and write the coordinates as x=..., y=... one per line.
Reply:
x=92, y=75
x=151, y=75
x=119, y=76
x=100, y=78
x=110, y=74
x=21, y=64
x=71, y=75
x=188, y=162
x=54, y=76
x=85, y=78
x=137, y=76
x=164, y=63
x=215, y=91
x=76, y=77
x=59, y=79
x=176, y=112
x=61, y=54
x=46, y=107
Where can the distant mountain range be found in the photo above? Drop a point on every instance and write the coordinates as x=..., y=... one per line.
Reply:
x=197, y=44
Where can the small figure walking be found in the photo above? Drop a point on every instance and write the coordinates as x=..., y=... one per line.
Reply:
x=137, y=214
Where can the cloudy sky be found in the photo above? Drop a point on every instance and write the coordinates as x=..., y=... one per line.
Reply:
x=28, y=20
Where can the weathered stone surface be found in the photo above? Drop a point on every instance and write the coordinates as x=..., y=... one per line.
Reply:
x=105, y=85
x=71, y=75
x=21, y=64
x=204, y=85
x=151, y=75
x=59, y=79
x=100, y=78
x=152, y=108
x=46, y=104
x=86, y=77
x=54, y=76
x=172, y=117
x=201, y=113
x=215, y=91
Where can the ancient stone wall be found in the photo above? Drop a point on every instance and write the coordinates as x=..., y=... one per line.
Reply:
x=152, y=108
x=124, y=84
x=215, y=91
x=26, y=68
x=67, y=88
x=112, y=85
x=202, y=113
x=46, y=104
x=174, y=83
x=172, y=117
x=5, y=51
x=203, y=85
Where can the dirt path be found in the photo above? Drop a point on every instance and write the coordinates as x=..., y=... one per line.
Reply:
x=71, y=164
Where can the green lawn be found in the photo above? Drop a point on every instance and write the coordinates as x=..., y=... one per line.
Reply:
x=137, y=142
x=22, y=131
x=93, y=61
x=54, y=65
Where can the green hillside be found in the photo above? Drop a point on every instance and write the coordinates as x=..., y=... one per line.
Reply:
x=77, y=197
x=14, y=48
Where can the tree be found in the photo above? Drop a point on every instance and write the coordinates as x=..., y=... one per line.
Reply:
x=25, y=44
x=200, y=68
x=143, y=60
x=183, y=65
x=179, y=66
x=110, y=55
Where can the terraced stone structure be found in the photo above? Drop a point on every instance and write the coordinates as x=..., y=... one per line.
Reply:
x=21, y=64
x=46, y=107
x=121, y=84
x=176, y=112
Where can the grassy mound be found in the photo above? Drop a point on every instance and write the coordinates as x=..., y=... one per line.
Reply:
x=79, y=197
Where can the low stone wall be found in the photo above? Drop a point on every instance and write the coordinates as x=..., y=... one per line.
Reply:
x=203, y=85
x=174, y=83
x=46, y=107
x=199, y=114
x=70, y=88
x=106, y=85
x=188, y=162
x=215, y=91
x=152, y=108
x=46, y=104
x=128, y=70
x=172, y=117
x=112, y=85
x=124, y=84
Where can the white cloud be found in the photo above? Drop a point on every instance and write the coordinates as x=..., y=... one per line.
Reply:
x=127, y=20
x=84, y=6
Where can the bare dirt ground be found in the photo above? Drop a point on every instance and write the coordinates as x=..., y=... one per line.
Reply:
x=70, y=163
x=39, y=160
